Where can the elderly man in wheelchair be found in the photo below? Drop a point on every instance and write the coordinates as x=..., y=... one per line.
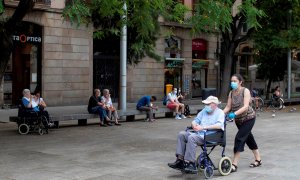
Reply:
x=31, y=118
x=207, y=130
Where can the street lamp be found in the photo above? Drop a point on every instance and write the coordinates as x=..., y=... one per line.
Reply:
x=289, y=22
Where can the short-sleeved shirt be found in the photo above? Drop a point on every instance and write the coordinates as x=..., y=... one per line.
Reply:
x=173, y=97
x=217, y=117
x=107, y=101
x=34, y=105
x=144, y=101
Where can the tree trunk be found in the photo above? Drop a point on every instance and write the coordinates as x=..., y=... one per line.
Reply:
x=268, y=89
x=6, y=48
x=6, y=43
x=226, y=74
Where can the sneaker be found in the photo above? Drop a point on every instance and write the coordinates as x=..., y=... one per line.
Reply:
x=178, y=165
x=51, y=125
x=183, y=116
x=177, y=117
x=191, y=168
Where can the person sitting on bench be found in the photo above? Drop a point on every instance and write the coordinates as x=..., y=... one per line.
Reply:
x=42, y=105
x=145, y=104
x=175, y=105
x=96, y=106
x=110, y=109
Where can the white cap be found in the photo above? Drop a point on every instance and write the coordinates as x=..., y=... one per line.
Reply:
x=211, y=99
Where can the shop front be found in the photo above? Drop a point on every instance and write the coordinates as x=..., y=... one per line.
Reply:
x=173, y=62
x=199, y=66
x=24, y=67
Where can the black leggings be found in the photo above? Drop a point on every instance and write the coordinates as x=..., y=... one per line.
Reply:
x=244, y=135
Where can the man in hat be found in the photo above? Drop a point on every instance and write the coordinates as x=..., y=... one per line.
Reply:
x=210, y=118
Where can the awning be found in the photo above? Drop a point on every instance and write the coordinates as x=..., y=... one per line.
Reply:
x=175, y=59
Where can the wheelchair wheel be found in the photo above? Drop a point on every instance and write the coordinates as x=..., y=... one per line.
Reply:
x=208, y=172
x=23, y=129
x=277, y=103
x=200, y=162
x=225, y=166
x=41, y=131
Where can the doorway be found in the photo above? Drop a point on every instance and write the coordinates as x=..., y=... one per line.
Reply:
x=24, y=67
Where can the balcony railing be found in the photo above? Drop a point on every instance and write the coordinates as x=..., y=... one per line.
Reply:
x=48, y=2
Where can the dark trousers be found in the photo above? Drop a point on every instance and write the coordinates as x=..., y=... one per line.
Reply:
x=148, y=109
x=244, y=135
x=99, y=110
x=45, y=121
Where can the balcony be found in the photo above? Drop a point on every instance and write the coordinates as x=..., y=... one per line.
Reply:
x=40, y=4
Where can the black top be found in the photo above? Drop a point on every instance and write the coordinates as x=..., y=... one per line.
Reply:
x=93, y=102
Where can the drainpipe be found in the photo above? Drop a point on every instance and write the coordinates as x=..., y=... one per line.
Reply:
x=123, y=59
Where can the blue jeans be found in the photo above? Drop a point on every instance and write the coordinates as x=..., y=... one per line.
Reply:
x=99, y=110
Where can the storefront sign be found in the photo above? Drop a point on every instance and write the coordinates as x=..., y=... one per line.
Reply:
x=199, y=45
x=23, y=38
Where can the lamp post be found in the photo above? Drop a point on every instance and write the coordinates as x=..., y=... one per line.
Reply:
x=289, y=58
x=123, y=54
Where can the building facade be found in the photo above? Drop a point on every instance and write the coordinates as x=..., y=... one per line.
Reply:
x=49, y=54
x=189, y=63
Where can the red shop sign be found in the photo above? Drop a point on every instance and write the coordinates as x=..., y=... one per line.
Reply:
x=199, y=45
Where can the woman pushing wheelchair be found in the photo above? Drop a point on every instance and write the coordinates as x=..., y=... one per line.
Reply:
x=238, y=108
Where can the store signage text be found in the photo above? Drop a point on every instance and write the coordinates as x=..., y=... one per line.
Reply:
x=23, y=38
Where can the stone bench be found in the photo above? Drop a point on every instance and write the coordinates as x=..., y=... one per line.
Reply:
x=82, y=117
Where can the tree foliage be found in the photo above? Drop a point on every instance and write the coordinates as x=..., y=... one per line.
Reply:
x=142, y=21
x=280, y=31
x=226, y=17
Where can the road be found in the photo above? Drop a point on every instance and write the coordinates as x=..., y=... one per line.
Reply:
x=141, y=150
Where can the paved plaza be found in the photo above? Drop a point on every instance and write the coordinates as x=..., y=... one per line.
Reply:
x=141, y=150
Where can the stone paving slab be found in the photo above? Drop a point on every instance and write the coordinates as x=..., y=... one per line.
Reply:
x=141, y=150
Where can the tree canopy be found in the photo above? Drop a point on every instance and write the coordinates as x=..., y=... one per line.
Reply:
x=280, y=31
x=142, y=21
x=226, y=17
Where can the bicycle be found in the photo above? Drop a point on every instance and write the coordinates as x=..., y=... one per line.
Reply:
x=277, y=103
x=257, y=103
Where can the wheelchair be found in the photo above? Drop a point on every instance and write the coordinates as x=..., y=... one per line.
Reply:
x=204, y=162
x=31, y=121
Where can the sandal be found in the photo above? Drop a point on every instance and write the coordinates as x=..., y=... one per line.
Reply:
x=256, y=163
x=117, y=124
x=234, y=168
